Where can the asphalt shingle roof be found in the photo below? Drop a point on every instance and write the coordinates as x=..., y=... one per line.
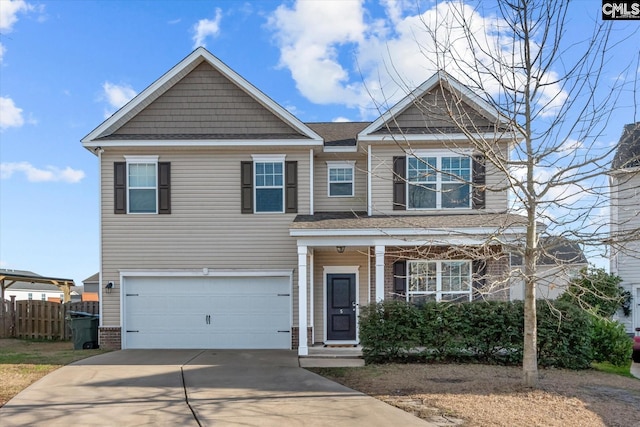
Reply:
x=628, y=153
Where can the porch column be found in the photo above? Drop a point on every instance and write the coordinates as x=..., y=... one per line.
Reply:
x=303, y=349
x=379, y=273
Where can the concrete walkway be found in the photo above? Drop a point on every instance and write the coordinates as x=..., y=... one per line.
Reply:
x=635, y=370
x=195, y=388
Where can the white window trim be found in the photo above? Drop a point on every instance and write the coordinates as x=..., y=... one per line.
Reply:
x=269, y=158
x=439, y=154
x=438, y=293
x=131, y=160
x=343, y=164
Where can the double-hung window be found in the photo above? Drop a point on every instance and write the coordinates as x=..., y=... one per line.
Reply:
x=142, y=184
x=340, y=178
x=439, y=181
x=269, y=183
x=439, y=281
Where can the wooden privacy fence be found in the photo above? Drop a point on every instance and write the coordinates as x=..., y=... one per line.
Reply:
x=41, y=319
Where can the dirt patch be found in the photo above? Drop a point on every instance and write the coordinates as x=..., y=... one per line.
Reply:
x=479, y=395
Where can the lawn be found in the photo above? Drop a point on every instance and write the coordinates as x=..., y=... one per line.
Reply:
x=23, y=362
x=482, y=395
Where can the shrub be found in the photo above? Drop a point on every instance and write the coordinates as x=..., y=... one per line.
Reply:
x=596, y=291
x=564, y=335
x=389, y=331
x=610, y=342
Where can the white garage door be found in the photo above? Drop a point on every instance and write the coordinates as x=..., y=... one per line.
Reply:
x=223, y=313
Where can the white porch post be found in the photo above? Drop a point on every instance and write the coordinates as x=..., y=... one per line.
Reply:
x=303, y=349
x=379, y=273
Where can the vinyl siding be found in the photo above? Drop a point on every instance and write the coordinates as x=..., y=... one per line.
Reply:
x=431, y=111
x=204, y=102
x=330, y=257
x=322, y=201
x=205, y=227
x=626, y=263
x=382, y=183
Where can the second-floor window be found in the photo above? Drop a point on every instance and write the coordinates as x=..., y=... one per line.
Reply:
x=269, y=186
x=143, y=194
x=438, y=182
x=340, y=177
x=142, y=185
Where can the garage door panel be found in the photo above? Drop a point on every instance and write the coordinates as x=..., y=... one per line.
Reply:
x=210, y=312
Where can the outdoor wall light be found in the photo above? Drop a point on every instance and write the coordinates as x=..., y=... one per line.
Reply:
x=109, y=287
x=340, y=249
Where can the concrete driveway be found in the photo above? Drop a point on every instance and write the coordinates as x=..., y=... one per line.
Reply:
x=195, y=388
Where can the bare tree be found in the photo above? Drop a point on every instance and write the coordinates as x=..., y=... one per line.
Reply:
x=552, y=101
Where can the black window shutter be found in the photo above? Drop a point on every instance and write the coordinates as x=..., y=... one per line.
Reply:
x=120, y=187
x=399, y=183
x=400, y=277
x=246, y=190
x=479, y=182
x=291, y=187
x=479, y=277
x=164, y=187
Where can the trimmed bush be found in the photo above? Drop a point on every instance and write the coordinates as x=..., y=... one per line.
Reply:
x=610, y=342
x=489, y=332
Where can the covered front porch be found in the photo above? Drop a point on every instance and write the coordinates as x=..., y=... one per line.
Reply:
x=346, y=261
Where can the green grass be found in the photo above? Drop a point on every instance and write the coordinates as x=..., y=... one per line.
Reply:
x=624, y=371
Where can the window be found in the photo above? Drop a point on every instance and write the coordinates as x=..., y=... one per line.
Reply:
x=439, y=281
x=30, y=296
x=439, y=182
x=269, y=183
x=142, y=184
x=142, y=187
x=340, y=175
x=43, y=297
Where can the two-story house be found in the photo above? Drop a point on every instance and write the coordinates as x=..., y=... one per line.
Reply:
x=624, y=181
x=226, y=222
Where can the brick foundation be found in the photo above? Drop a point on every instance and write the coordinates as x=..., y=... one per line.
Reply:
x=294, y=337
x=110, y=338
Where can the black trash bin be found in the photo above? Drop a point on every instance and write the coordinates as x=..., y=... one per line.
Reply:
x=84, y=330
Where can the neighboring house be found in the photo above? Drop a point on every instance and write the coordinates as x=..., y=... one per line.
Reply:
x=226, y=222
x=560, y=262
x=26, y=285
x=91, y=291
x=625, y=221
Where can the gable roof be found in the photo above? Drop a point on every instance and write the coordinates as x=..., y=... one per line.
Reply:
x=481, y=115
x=628, y=152
x=286, y=128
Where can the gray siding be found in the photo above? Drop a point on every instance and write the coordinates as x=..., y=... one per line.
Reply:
x=330, y=257
x=382, y=183
x=322, y=201
x=205, y=227
x=626, y=255
x=205, y=102
x=432, y=111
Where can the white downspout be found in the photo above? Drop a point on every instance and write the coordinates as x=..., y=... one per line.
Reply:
x=369, y=203
x=311, y=182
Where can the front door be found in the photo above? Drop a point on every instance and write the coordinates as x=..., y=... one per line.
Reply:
x=341, y=307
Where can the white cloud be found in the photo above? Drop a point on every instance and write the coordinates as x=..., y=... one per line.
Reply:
x=363, y=62
x=48, y=174
x=117, y=96
x=10, y=115
x=9, y=13
x=206, y=28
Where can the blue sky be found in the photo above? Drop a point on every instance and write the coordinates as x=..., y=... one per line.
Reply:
x=66, y=65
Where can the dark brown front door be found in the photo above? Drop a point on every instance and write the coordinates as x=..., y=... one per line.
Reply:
x=341, y=307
